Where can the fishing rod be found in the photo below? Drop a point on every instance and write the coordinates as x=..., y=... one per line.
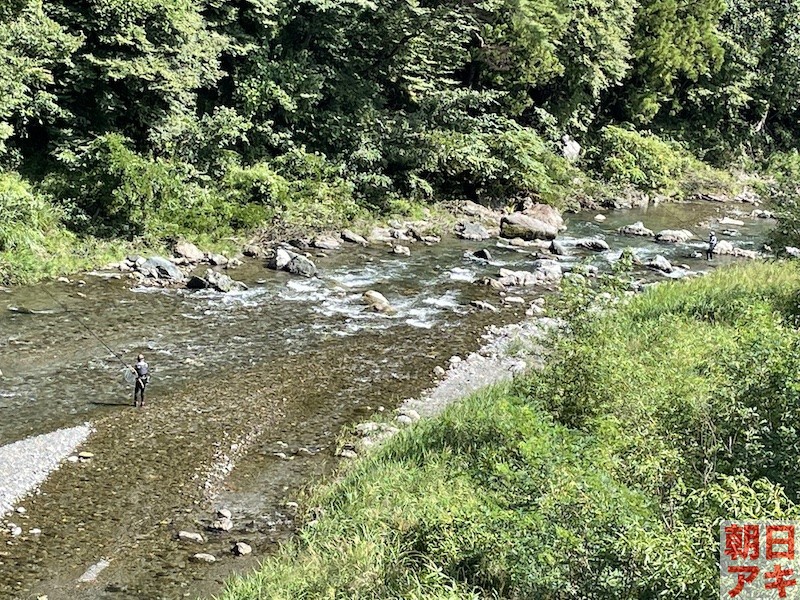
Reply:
x=92, y=333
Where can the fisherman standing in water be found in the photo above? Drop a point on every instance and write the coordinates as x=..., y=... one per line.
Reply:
x=142, y=370
x=712, y=244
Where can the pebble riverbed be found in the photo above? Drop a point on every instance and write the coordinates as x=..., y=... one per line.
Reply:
x=25, y=464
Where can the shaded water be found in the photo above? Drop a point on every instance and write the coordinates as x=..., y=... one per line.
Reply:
x=278, y=369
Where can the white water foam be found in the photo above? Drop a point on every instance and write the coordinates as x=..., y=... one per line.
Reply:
x=461, y=274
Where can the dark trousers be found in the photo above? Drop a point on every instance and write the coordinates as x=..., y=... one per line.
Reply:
x=709, y=253
x=138, y=393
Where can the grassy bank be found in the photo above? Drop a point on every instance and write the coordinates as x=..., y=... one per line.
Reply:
x=603, y=476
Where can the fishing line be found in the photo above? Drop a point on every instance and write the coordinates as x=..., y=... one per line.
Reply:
x=128, y=368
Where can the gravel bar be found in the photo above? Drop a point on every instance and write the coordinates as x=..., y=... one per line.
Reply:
x=25, y=464
x=490, y=365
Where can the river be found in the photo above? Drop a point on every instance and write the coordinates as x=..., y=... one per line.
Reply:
x=264, y=379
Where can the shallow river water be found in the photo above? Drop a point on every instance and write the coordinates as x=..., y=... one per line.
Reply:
x=264, y=379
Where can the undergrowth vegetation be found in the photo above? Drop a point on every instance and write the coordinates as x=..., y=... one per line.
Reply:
x=144, y=121
x=604, y=475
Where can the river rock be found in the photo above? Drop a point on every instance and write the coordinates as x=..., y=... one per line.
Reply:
x=480, y=304
x=296, y=265
x=215, y=280
x=513, y=300
x=543, y=212
x=526, y=227
x=548, y=270
x=204, y=557
x=473, y=232
x=218, y=260
x=593, y=244
x=189, y=251
x=380, y=235
x=326, y=242
x=674, y=236
x=409, y=412
x=493, y=283
x=792, y=251
x=401, y=250
x=281, y=259
x=729, y=221
x=509, y=278
x=224, y=513
x=480, y=212
x=730, y=233
x=599, y=218
x=482, y=254
x=241, y=549
x=188, y=536
x=724, y=247
x=353, y=238
x=535, y=310
x=659, y=263
x=557, y=248
x=253, y=251
x=439, y=371
x=223, y=524
x=347, y=453
x=159, y=267
x=377, y=302
x=762, y=214
x=637, y=229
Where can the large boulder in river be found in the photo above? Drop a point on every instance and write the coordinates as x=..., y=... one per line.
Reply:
x=659, y=263
x=674, y=236
x=519, y=225
x=377, y=302
x=472, y=231
x=215, y=280
x=545, y=213
x=300, y=265
x=593, y=244
x=291, y=262
x=158, y=267
x=509, y=278
x=725, y=247
x=548, y=270
x=480, y=212
x=353, y=238
x=326, y=242
x=637, y=229
x=189, y=251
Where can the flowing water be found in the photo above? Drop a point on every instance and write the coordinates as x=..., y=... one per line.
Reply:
x=264, y=379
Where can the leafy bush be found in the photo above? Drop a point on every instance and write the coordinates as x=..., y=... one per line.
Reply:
x=640, y=159
x=295, y=189
x=25, y=217
x=33, y=240
x=783, y=189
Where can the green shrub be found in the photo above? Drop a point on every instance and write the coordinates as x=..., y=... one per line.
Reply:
x=296, y=189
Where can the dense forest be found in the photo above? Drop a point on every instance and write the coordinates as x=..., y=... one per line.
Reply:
x=137, y=119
